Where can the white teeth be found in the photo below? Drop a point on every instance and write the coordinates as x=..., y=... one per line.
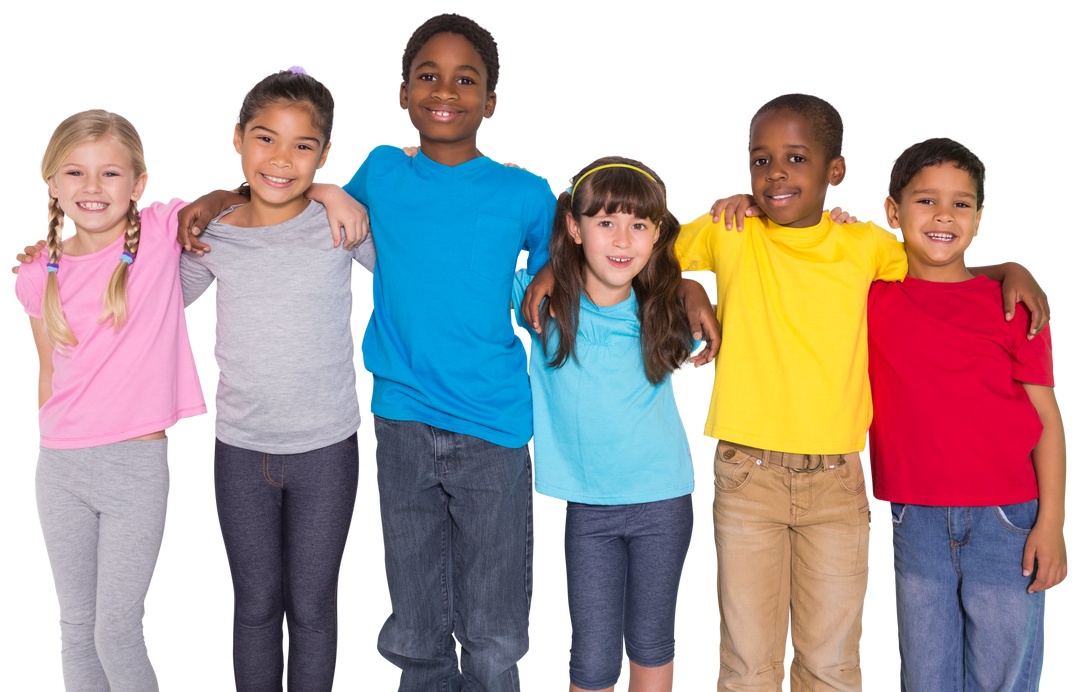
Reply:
x=940, y=236
x=93, y=206
x=790, y=194
x=276, y=180
x=620, y=260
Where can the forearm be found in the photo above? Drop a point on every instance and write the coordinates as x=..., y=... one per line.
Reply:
x=1048, y=456
x=322, y=192
x=995, y=272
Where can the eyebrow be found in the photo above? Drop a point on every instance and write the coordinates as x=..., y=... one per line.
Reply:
x=431, y=63
x=930, y=191
x=786, y=146
x=260, y=127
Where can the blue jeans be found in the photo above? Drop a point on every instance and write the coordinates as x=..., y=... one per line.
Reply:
x=457, y=530
x=285, y=518
x=623, y=565
x=965, y=618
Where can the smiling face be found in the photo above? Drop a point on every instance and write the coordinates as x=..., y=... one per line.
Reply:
x=617, y=247
x=790, y=172
x=938, y=214
x=95, y=186
x=280, y=149
x=447, y=98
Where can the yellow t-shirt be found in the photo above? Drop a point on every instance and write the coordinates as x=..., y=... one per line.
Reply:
x=791, y=374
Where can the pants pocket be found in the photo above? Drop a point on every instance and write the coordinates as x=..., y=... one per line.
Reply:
x=899, y=513
x=732, y=468
x=850, y=474
x=1018, y=518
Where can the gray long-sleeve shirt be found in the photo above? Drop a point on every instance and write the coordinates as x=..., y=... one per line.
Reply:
x=284, y=343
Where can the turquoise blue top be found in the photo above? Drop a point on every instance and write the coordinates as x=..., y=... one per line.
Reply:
x=440, y=343
x=604, y=434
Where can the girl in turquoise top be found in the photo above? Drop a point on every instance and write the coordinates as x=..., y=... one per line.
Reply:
x=608, y=437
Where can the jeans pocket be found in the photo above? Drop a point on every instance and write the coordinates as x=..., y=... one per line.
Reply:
x=1018, y=518
x=732, y=467
x=899, y=513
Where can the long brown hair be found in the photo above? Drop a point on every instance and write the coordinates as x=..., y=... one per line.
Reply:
x=665, y=332
x=75, y=131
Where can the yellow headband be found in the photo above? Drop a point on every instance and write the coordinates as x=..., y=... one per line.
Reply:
x=607, y=165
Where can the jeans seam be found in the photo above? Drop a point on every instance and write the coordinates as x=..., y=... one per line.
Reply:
x=266, y=471
x=1003, y=520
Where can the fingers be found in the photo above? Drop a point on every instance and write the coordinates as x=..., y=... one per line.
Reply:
x=1040, y=314
x=1009, y=304
x=34, y=251
x=1027, y=564
x=530, y=308
x=410, y=151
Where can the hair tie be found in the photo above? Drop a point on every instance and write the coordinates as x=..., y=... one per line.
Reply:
x=573, y=189
x=52, y=267
x=296, y=69
x=127, y=257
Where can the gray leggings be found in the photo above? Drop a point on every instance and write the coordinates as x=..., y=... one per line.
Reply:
x=102, y=511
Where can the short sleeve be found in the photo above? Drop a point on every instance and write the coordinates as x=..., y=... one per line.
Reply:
x=161, y=218
x=538, y=233
x=357, y=187
x=890, y=257
x=522, y=279
x=195, y=277
x=30, y=284
x=694, y=246
x=1032, y=359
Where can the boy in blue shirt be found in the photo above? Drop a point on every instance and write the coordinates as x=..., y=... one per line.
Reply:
x=451, y=393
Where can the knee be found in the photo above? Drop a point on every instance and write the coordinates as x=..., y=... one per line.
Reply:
x=118, y=639
x=258, y=607
x=650, y=654
x=493, y=657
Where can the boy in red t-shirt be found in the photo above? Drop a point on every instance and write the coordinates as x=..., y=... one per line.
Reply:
x=967, y=443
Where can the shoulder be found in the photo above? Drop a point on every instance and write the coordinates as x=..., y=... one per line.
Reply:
x=385, y=156
x=30, y=283
x=161, y=217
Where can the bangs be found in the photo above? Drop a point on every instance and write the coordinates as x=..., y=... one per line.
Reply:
x=615, y=190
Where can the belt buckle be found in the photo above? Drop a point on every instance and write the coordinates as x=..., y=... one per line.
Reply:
x=820, y=463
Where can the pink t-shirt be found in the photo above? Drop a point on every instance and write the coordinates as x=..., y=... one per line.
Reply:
x=953, y=425
x=116, y=385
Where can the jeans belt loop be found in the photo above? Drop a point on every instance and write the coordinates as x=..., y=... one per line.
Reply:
x=816, y=467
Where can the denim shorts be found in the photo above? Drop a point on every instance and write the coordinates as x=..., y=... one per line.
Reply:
x=623, y=565
x=965, y=618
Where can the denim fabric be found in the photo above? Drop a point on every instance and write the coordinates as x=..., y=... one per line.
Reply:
x=285, y=519
x=457, y=529
x=966, y=620
x=623, y=565
x=102, y=512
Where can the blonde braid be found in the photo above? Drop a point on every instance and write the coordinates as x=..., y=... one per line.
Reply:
x=115, y=296
x=51, y=311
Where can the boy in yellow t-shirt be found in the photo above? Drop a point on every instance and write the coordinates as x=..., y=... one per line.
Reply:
x=791, y=406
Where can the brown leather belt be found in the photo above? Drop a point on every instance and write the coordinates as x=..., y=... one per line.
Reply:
x=805, y=463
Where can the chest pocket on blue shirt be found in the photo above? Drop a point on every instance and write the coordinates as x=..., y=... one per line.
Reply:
x=496, y=244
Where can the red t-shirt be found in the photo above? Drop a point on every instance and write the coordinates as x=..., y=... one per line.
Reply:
x=952, y=424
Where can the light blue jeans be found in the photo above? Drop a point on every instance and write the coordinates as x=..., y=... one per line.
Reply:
x=966, y=620
x=457, y=530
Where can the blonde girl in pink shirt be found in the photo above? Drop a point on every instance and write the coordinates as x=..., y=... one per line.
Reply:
x=107, y=315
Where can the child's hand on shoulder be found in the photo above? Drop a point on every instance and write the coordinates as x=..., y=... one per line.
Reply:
x=28, y=255
x=703, y=323
x=738, y=207
x=346, y=216
x=195, y=217
x=1045, y=544
x=539, y=288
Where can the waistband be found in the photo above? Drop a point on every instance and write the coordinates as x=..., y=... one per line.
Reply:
x=797, y=462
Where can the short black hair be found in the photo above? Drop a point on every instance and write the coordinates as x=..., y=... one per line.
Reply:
x=824, y=120
x=472, y=32
x=934, y=152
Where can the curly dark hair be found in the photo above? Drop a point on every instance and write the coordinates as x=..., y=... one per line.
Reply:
x=475, y=34
x=934, y=152
x=824, y=120
x=666, y=341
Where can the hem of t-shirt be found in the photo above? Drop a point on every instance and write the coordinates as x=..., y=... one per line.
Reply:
x=979, y=500
x=1033, y=377
x=456, y=425
x=122, y=435
x=259, y=444
x=784, y=445
x=653, y=495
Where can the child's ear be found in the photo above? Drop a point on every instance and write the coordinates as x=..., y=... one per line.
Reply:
x=140, y=187
x=53, y=190
x=489, y=107
x=403, y=97
x=656, y=235
x=978, y=218
x=573, y=228
x=322, y=159
x=234, y=139
x=892, y=212
x=837, y=170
